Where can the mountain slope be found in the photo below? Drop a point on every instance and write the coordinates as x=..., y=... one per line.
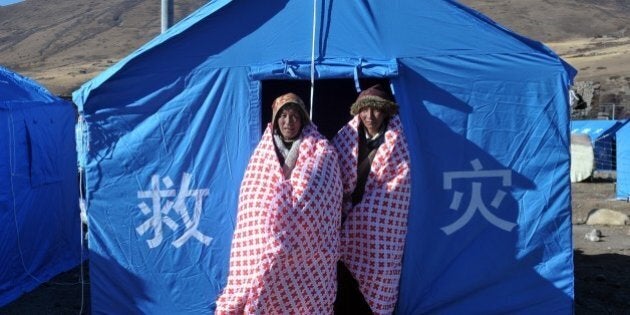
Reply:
x=591, y=35
x=63, y=43
x=558, y=20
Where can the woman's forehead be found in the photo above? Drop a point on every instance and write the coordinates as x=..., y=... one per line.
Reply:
x=289, y=109
x=367, y=108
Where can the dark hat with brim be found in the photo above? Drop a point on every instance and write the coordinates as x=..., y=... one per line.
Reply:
x=377, y=98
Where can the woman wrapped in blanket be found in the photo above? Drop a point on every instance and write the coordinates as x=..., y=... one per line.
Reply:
x=374, y=164
x=285, y=246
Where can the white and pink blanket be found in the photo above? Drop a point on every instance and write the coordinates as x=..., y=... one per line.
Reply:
x=373, y=233
x=285, y=246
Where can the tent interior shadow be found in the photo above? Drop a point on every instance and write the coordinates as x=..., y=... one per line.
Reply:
x=332, y=98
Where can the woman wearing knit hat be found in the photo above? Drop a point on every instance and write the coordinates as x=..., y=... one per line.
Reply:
x=374, y=163
x=285, y=245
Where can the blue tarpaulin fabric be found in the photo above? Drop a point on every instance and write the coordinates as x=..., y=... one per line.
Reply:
x=623, y=161
x=602, y=134
x=39, y=214
x=485, y=112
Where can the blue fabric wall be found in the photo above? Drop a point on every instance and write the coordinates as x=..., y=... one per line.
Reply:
x=505, y=139
x=141, y=259
x=39, y=215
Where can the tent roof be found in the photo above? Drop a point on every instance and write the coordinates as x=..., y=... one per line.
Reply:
x=227, y=33
x=593, y=128
x=16, y=88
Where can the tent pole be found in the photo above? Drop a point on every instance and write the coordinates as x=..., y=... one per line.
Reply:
x=167, y=14
x=313, y=56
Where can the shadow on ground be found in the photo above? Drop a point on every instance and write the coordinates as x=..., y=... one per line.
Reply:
x=64, y=294
x=602, y=283
x=602, y=286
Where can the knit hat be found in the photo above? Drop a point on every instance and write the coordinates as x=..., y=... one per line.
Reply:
x=375, y=97
x=286, y=99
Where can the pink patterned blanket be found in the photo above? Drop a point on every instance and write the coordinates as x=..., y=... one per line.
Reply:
x=373, y=234
x=285, y=246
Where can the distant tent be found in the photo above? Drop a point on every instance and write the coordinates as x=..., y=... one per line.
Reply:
x=623, y=161
x=4, y=3
x=485, y=112
x=39, y=215
x=602, y=134
x=582, y=157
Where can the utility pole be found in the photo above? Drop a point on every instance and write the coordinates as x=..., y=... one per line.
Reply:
x=167, y=14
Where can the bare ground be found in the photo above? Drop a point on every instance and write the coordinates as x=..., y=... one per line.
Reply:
x=602, y=280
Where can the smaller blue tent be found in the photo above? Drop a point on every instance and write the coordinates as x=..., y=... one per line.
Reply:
x=623, y=161
x=602, y=134
x=39, y=215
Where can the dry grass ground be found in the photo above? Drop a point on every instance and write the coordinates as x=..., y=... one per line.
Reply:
x=597, y=58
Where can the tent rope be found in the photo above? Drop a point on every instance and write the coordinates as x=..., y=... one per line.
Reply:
x=313, y=56
x=81, y=153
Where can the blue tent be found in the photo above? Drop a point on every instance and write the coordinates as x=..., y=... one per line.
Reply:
x=623, y=161
x=39, y=215
x=485, y=112
x=603, y=137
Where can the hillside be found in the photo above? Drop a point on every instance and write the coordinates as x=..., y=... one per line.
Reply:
x=64, y=43
x=551, y=21
x=591, y=35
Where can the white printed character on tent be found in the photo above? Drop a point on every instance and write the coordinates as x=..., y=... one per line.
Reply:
x=476, y=202
x=160, y=213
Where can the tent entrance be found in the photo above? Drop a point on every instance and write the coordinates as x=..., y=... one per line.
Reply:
x=332, y=99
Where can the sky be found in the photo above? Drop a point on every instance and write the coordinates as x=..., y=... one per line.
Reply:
x=7, y=2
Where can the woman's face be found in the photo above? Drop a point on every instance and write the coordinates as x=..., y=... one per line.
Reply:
x=372, y=119
x=289, y=122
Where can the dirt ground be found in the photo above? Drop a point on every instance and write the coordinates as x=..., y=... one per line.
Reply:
x=602, y=277
x=602, y=280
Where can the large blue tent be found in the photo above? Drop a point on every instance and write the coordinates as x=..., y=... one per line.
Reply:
x=39, y=205
x=485, y=112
